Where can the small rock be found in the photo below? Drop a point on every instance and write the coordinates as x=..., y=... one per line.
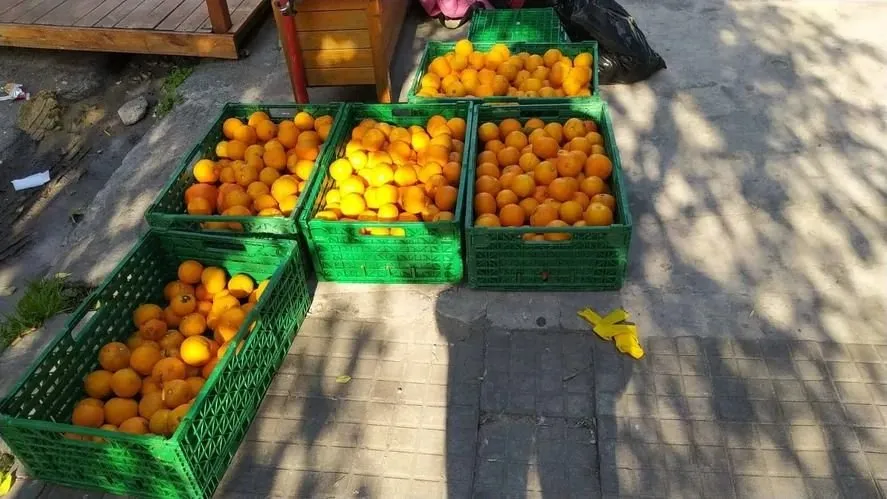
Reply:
x=133, y=111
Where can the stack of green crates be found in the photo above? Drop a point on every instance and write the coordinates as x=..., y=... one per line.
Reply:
x=168, y=210
x=35, y=417
x=425, y=252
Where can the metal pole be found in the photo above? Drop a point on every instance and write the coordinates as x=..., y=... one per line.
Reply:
x=291, y=49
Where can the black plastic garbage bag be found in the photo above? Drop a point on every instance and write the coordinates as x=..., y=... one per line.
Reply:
x=624, y=54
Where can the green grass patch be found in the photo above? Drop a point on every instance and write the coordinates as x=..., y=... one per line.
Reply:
x=169, y=95
x=43, y=299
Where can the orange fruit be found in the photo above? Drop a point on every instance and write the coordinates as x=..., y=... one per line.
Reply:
x=487, y=220
x=266, y=175
x=583, y=60
x=488, y=184
x=114, y=356
x=143, y=359
x=168, y=369
x=265, y=130
x=97, y=384
x=573, y=128
x=523, y=185
x=192, y=325
x=598, y=214
x=508, y=156
x=174, y=288
x=183, y=305
x=229, y=323
x=541, y=193
x=598, y=165
x=405, y=176
x=200, y=206
x=241, y=285
x=196, y=382
x=528, y=161
x=118, y=410
x=159, y=422
x=440, y=67
x=563, y=188
x=205, y=170
x=172, y=340
x=505, y=197
x=568, y=164
x=235, y=149
x=230, y=126
x=195, y=350
x=592, y=186
x=428, y=171
x=283, y=187
x=144, y=313
x=150, y=385
x=126, y=383
x=512, y=215
x=488, y=157
x=516, y=139
x=414, y=200
x=570, y=212
x=485, y=203
x=151, y=403
x=264, y=202
x=582, y=198
x=214, y=279
x=544, y=173
x=275, y=158
x=91, y=401
x=445, y=197
x=88, y=415
x=544, y=214
x=488, y=132
x=136, y=425
x=557, y=236
x=555, y=131
x=507, y=126
x=452, y=171
x=353, y=204
x=457, y=127
x=528, y=205
x=488, y=169
x=176, y=392
x=606, y=200
x=545, y=147
x=246, y=134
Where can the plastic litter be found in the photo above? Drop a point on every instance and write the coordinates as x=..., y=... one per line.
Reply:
x=614, y=327
x=13, y=91
x=31, y=181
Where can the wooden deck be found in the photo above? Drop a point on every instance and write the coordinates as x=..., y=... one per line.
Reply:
x=172, y=27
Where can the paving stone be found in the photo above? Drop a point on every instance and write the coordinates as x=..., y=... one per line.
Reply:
x=711, y=458
x=662, y=345
x=747, y=349
x=822, y=488
x=820, y=391
x=807, y=438
x=806, y=350
x=878, y=464
x=864, y=353
x=872, y=439
x=717, y=485
x=853, y=392
x=835, y=352
x=798, y=412
x=747, y=461
x=843, y=371
x=753, y=487
x=788, y=487
x=774, y=436
x=863, y=415
x=789, y=390
x=781, y=463
x=810, y=370
x=858, y=488
x=752, y=368
x=665, y=364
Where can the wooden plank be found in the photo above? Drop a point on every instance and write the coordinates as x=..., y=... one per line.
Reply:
x=320, y=5
x=351, y=58
x=331, y=77
x=118, y=40
x=331, y=20
x=178, y=16
x=140, y=15
x=207, y=25
x=219, y=15
x=336, y=40
x=116, y=15
x=245, y=12
x=98, y=13
x=17, y=11
x=68, y=14
x=38, y=10
x=153, y=19
x=192, y=22
x=8, y=4
x=381, y=75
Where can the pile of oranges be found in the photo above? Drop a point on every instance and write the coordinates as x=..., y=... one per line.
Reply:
x=542, y=175
x=396, y=174
x=147, y=384
x=262, y=168
x=498, y=72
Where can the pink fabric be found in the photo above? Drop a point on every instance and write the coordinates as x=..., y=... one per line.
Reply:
x=452, y=9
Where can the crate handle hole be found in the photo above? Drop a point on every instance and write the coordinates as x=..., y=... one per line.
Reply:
x=382, y=232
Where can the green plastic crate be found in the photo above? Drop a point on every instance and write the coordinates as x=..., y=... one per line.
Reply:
x=594, y=259
x=436, y=49
x=517, y=25
x=35, y=417
x=427, y=253
x=168, y=210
